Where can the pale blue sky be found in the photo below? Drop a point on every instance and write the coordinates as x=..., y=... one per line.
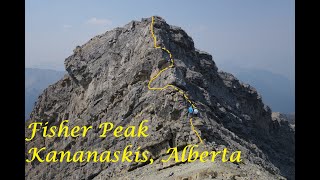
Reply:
x=238, y=33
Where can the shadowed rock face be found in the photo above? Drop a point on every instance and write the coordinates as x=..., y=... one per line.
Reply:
x=107, y=81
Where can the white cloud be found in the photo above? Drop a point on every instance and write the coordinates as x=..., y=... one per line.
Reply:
x=95, y=21
x=67, y=26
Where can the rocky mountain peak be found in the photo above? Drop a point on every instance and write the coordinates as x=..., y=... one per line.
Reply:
x=108, y=80
x=120, y=43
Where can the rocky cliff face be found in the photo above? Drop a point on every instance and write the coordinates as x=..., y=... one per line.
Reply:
x=107, y=81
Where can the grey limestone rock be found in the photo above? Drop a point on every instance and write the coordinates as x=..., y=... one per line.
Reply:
x=107, y=81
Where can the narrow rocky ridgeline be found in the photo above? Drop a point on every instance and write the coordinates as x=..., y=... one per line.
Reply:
x=107, y=81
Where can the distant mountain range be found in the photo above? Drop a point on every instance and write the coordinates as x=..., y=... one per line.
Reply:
x=277, y=91
x=36, y=80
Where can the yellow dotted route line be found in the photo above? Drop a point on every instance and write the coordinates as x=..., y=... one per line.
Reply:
x=195, y=130
x=168, y=85
x=170, y=66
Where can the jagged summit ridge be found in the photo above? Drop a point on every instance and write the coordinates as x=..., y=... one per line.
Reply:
x=82, y=65
x=107, y=81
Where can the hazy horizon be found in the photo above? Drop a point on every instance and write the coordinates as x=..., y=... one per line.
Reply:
x=246, y=34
